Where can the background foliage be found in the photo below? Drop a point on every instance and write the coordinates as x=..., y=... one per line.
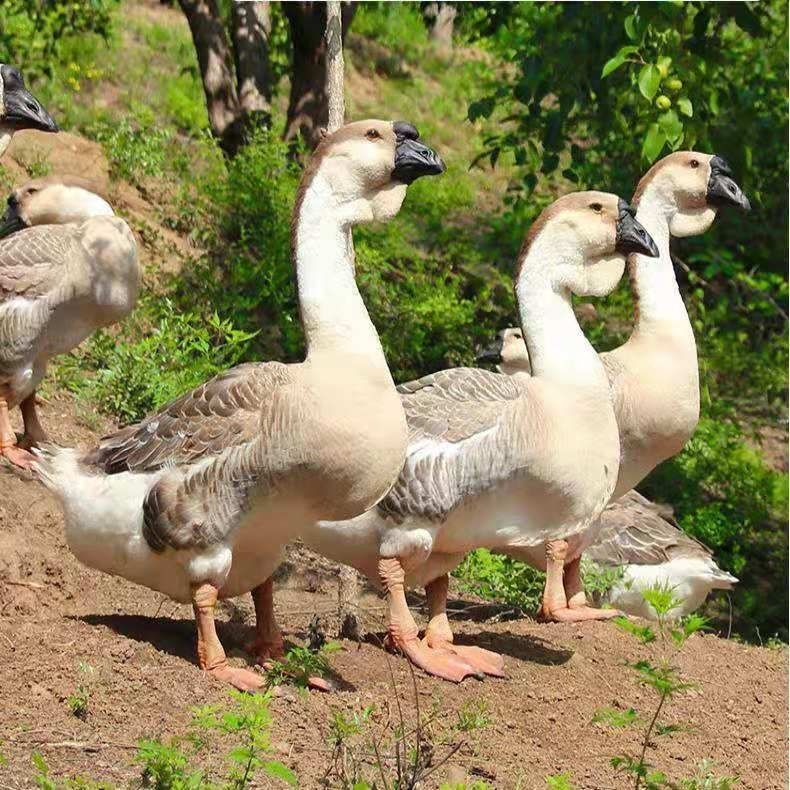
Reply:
x=535, y=99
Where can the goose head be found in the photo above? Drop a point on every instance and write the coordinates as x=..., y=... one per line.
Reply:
x=583, y=239
x=19, y=109
x=367, y=166
x=52, y=200
x=508, y=352
x=689, y=187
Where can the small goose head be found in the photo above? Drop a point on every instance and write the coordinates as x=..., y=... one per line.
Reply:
x=690, y=187
x=52, y=200
x=586, y=237
x=368, y=165
x=508, y=352
x=19, y=109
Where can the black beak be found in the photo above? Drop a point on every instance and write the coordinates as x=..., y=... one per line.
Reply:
x=21, y=108
x=631, y=236
x=722, y=189
x=11, y=221
x=414, y=159
x=492, y=353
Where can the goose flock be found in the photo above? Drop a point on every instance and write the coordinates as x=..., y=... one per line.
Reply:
x=537, y=460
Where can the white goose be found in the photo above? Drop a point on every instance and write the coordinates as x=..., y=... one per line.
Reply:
x=19, y=109
x=500, y=461
x=69, y=268
x=198, y=499
x=634, y=535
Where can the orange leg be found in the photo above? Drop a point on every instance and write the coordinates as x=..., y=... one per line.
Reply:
x=8, y=446
x=210, y=652
x=268, y=643
x=403, y=634
x=439, y=635
x=562, y=581
x=34, y=432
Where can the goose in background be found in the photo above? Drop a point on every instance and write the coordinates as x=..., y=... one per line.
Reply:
x=634, y=536
x=68, y=266
x=498, y=461
x=19, y=109
x=198, y=500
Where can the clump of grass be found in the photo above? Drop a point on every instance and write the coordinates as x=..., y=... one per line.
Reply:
x=78, y=701
x=473, y=715
x=300, y=664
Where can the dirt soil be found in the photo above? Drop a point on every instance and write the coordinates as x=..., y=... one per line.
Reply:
x=55, y=614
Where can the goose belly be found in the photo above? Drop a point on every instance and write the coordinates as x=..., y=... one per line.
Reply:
x=524, y=513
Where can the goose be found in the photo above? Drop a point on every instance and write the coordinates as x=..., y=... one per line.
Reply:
x=501, y=461
x=19, y=109
x=652, y=551
x=634, y=535
x=198, y=499
x=68, y=266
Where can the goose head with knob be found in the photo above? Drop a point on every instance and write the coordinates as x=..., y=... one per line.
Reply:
x=588, y=236
x=366, y=167
x=19, y=109
x=690, y=187
x=52, y=200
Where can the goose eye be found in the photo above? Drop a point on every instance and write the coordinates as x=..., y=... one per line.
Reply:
x=694, y=163
x=596, y=207
x=372, y=134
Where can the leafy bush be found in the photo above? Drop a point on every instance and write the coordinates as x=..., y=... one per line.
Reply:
x=157, y=362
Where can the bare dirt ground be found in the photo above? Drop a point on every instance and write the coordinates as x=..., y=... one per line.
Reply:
x=55, y=614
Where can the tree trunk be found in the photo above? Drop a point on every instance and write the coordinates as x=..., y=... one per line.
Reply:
x=443, y=15
x=308, y=109
x=216, y=70
x=336, y=104
x=251, y=26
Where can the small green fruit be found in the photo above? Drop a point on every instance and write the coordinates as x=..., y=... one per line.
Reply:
x=663, y=102
x=663, y=67
x=674, y=85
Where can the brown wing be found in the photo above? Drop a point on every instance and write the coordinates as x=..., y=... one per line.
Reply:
x=634, y=532
x=222, y=413
x=453, y=452
x=33, y=261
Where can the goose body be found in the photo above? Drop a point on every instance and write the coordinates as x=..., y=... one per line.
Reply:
x=634, y=535
x=68, y=268
x=198, y=499
x=501, y=461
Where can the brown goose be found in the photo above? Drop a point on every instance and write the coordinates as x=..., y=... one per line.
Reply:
x=497, y=461
x=198, y=500
x=68, y=268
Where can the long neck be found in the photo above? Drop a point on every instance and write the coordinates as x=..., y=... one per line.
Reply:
x=5, y=137
x=653, y=280
x=556, y=345
x=333, y=314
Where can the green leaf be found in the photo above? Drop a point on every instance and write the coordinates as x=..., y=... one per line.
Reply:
x=653, y=143
x=617, y=60
x=615, y=718
x=649, y=79
x=631, y=29
x=684, y=105
x=672, y=127
x=280, y=771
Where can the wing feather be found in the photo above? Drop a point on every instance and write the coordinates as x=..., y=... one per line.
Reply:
x=453, y=418
x=634, y=531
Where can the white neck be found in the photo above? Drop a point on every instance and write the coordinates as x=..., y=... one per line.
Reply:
x=5, y=138
x=333, y=313
x=556, y=345
x=653, y=279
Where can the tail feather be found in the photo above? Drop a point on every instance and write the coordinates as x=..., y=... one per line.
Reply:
x=720, y=579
